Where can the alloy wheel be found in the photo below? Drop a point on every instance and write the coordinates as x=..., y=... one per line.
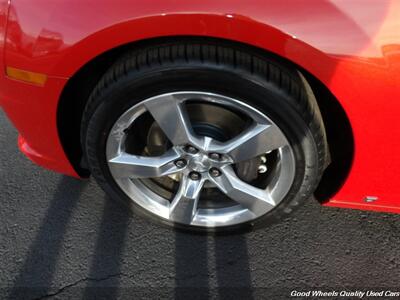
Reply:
x=200, y=160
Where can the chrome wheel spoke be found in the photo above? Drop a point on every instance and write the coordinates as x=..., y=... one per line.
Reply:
x=256, y=140
x=170, y=114
x=255, y=199
x=184, y=205
x=132, y=166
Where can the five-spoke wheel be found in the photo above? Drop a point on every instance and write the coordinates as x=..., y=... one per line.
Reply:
x=200, y=162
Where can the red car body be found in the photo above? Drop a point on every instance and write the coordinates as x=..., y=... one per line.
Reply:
x=351, y=47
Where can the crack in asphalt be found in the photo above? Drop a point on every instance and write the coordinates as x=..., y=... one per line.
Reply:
x=65, y=287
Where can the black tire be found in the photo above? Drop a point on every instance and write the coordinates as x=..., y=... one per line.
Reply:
x=223, y=68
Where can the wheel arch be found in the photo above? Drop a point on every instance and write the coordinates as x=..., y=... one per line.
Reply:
x=79, y=86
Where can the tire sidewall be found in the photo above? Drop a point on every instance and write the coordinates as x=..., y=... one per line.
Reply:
x=249, y=88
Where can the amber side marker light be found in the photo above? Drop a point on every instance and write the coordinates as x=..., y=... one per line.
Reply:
x=26, y=76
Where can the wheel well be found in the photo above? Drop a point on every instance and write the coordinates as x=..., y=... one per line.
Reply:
x=340, y=140
x=72, y=104
x=80, y=85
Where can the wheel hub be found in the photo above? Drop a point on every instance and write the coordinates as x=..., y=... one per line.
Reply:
x=200, y=163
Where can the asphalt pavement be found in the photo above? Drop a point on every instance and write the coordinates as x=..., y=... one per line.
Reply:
x=64, y=238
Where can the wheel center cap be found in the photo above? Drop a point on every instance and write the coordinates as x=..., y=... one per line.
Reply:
x=200, y=163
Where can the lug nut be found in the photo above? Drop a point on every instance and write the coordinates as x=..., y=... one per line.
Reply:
x=180, y=163
x=214, y=172
x=215, y=156
x=262, y=169
x=191, y=149
x=194, y=176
